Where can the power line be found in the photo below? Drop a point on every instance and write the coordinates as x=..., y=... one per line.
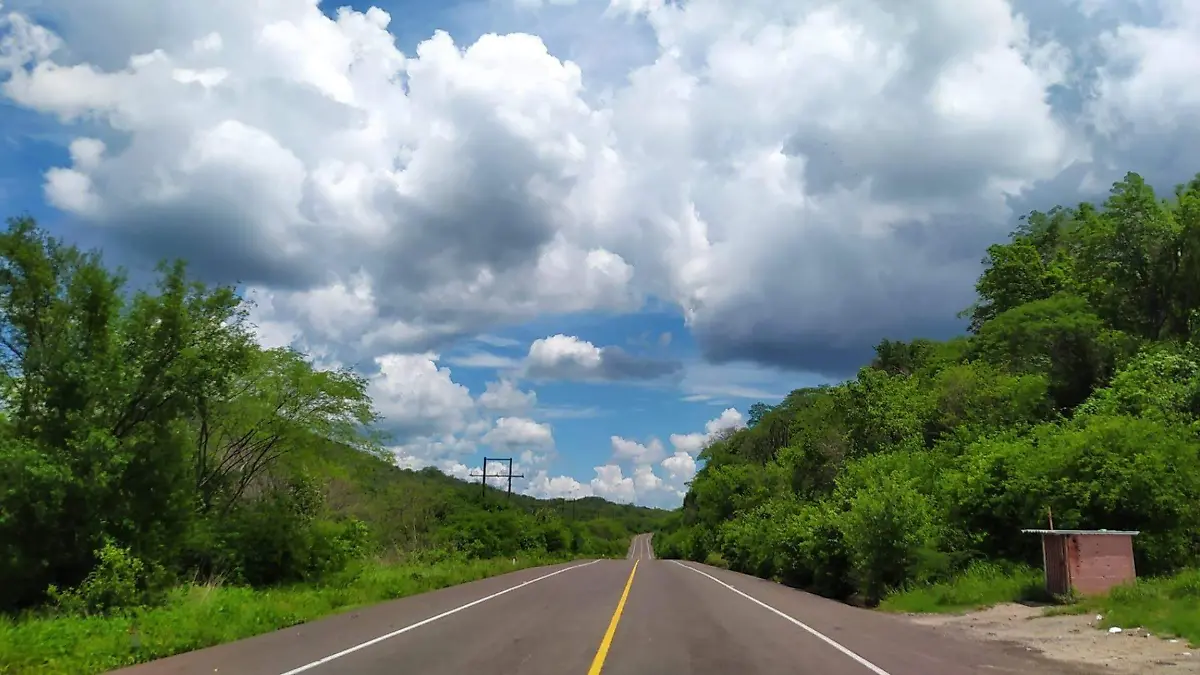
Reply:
x=484, y=475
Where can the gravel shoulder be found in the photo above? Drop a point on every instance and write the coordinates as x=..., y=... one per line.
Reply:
x=1072, y=639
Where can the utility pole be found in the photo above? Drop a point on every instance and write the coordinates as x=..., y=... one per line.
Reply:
x=484, y=475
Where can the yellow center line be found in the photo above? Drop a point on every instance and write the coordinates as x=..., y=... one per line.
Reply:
x=598, y=662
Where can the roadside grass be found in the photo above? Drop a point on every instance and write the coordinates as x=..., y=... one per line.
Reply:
x=197, y=616
x=1164, y=606
x=980, y=585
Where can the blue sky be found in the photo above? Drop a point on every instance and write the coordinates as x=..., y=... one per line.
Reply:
x=586, y=233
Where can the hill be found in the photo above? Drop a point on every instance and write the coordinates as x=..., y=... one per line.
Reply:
x=427, y=509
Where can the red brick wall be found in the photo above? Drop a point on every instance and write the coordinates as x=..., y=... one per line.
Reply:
x=1099, y=561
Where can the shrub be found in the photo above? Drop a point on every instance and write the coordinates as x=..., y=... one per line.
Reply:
x=119, y=582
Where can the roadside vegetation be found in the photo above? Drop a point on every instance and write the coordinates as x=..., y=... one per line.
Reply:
x=1075, y=393
x=158, y=468
x=194, y=616
x=1165, y=605
x=982, y=584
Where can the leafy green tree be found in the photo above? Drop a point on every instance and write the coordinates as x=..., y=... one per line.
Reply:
x=756, y=412
x=884, y=412
x=279, y=404
x=1059, y=337
x=96, y=388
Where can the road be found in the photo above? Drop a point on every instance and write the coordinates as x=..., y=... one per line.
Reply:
x=639, y=616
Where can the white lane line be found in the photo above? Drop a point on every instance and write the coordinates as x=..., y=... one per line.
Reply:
x=813, y=631
x=381, y=638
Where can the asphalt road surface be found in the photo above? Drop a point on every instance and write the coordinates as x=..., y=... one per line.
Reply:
x=639, y=616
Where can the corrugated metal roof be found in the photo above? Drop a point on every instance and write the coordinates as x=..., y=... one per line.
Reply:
x=1122, y=532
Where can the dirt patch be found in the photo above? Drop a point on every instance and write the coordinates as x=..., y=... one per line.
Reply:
x=1072, y=639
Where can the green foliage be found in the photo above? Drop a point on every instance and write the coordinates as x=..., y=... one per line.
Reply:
x=884, y=412
x=1060, y=338
x=146, y=439
x=1162, y=382
x=1164, y=605
x=1104, y=472
x=888, y=523
x=1076, y=393
x=120, y=581
x=194, y=616
x=981, y=584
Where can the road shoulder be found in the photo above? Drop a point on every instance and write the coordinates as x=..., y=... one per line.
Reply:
x=1073, y=639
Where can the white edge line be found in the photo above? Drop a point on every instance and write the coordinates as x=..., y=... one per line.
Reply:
x=381, y=638
x=815, y=633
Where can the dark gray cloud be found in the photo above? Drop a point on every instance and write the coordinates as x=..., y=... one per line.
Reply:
x=617, y=364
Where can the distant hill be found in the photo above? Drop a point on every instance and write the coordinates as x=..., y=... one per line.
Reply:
x=418, y=510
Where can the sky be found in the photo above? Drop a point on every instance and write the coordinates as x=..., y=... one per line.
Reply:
x=584, y=234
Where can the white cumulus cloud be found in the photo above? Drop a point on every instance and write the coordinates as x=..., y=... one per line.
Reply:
x=518, y=433
x=504, y=396
x=632, y=451
x=693, y=443
x=566, y=357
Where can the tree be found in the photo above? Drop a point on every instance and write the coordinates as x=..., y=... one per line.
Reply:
x=756, y=412
x=1060, y=337
x=279, y=404
x=96, y=391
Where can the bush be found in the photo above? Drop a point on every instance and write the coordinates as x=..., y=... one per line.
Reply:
x=886, y=529
x=119, y=582
x=1111, y=472
x=812, y=551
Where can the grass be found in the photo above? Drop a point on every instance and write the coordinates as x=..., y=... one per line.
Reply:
x=981, y=585
x=1165, y=606
x=198, y=616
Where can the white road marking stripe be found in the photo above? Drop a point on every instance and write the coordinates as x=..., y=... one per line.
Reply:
x=381, y=638
x=815, y=633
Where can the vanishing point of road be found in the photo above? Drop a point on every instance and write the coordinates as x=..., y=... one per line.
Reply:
x=639, y=616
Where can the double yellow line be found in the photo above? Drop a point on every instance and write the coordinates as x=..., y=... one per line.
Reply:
x=598, y=662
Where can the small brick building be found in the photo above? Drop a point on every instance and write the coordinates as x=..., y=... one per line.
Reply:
x=1089, y=562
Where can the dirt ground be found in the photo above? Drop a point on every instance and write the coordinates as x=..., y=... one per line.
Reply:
x=1073, y=639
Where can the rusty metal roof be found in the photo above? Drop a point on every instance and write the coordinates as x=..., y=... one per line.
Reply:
x=1130, y=533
